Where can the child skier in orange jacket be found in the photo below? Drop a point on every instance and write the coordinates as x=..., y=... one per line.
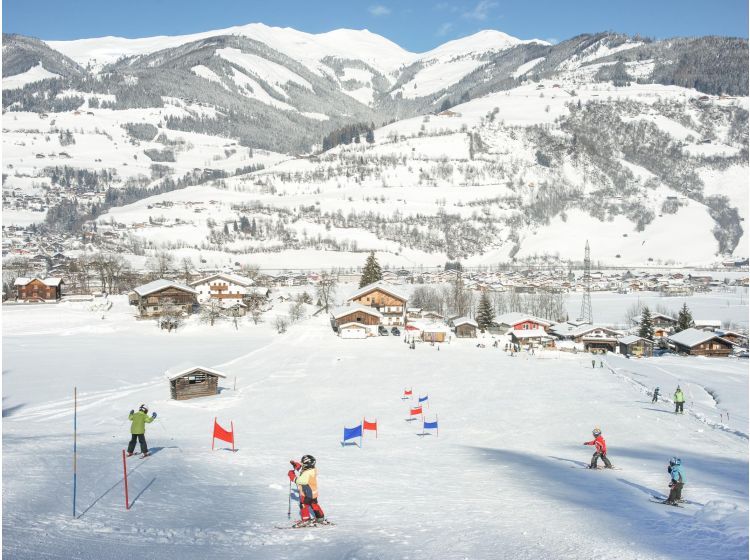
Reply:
x=307, y=485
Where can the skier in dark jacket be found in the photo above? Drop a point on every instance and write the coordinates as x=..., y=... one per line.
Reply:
x=676, y=482
x=307, y=486
x=656, y=395
x=138, y=429
x=600, y=451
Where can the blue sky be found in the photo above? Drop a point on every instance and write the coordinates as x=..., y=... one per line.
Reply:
x=416, y=25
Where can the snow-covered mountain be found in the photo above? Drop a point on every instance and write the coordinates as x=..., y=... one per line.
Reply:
x=604, y=136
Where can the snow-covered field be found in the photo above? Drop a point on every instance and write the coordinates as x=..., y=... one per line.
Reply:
x=496, y=482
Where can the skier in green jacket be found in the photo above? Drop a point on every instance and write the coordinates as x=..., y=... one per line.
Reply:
x=138, y=429
x=679, y=401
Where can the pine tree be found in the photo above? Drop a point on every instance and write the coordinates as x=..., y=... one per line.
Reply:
x=684, y=319
x=485, y=313
x=646, y=329
x=371, y=272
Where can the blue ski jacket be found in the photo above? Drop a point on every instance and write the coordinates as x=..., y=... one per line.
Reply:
x=677, y=474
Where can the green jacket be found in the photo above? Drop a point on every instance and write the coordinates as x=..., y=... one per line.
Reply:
x=679, y=397
x=139, y=420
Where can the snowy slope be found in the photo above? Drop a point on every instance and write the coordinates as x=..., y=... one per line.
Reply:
x=499, y=471
x=34, y=74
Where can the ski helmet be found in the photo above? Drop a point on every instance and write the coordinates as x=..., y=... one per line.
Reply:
x=143, y=408
x=675, y=461
x=308, y=461
x=597, y=432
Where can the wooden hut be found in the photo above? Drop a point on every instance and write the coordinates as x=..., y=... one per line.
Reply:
x=636, y=346
x=465, y=327
x=194, y=382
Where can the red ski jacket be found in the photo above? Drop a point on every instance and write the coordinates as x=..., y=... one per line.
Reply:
x=601, y=445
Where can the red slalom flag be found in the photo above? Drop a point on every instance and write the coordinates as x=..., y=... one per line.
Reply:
x=222, y=434
x=370, y=426
x=415, y=411
x=407, y=393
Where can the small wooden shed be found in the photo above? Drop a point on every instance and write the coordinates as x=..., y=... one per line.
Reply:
x=636, y=346
x=194, y=382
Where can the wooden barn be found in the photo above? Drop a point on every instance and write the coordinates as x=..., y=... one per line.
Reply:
x=435, y=333
x=356, y=314
x=636, y=346
x=35, y=290
x=696, y=342
x=194, y=382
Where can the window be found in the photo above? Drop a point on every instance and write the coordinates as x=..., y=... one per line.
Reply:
x=197, y=378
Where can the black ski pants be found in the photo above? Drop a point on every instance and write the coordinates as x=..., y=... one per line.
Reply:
x=141, y=438
x=675, y=492
x=678, y=407
x=595, y=460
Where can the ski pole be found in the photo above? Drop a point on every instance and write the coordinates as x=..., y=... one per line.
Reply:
x=289, y=509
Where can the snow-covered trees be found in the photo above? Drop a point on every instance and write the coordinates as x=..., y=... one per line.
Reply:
x=485, y=313
x=326, y=289
x=646, y=328
x=372, y=272
x=684, y=319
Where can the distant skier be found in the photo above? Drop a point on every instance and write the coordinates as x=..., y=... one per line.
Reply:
x=676, y=482
x=307, y=486
x=679, y=401
x=138, y=429
x=601, y=364
x=600, y=451
x=593, y=363
x=656, y=395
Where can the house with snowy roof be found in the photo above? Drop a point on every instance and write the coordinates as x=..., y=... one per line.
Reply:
x=387, y=299
x=696, y=342
x=227, y=289
x=356, y=313
x=36, y=290
x=632, y=345
x=518, y=321
x=152, y=298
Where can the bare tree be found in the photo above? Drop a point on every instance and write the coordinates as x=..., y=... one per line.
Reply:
x=251, y=271
x=296, y=311
x=161, y=263
x=171, y=317
x=281, y=324
x=187, y=269
x=326, y=289
x=211, y=311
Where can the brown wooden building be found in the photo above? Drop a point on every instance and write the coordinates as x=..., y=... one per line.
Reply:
x=35, y=290
x=636, y=346
x=152, y=298
x=194, y=382
x=387, y=299
x=696, y=342
x=465, y=327
x=356, y=314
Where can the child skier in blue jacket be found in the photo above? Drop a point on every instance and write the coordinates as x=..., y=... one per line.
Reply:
x=677, y=480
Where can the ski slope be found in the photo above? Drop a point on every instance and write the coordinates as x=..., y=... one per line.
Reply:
x=496, y=482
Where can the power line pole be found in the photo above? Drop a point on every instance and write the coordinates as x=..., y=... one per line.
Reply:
x=586, y=313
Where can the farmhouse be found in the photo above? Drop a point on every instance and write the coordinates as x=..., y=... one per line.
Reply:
x=465, y=327
x=34, y=290
x=661, y=321
x=193, y=382
x=228, y=289
x=636, y=346
x=576, y=331
x=515, y=321
x=389, y=301
x=696, y=342
x=356, y=313
x=154, y=297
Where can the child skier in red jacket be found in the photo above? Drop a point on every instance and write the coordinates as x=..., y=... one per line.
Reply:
x=600, y=451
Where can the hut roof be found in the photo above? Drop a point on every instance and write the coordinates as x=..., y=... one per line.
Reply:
x=465, y=321
x=348, y=309
x=692, y=337
x=383, y=287
x=631, y=338
x=176, y=373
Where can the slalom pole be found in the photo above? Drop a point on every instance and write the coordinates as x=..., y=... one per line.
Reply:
x=125, y=473
x=289, y=509
x=75, y=446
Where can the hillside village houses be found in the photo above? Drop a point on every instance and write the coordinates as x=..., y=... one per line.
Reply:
x=697, y=342
x=387, y=299
x=36, y=290
x=230, y=290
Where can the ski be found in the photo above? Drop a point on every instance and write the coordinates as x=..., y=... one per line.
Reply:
x=665, y=503
x=596, y=468
x=305, y=525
